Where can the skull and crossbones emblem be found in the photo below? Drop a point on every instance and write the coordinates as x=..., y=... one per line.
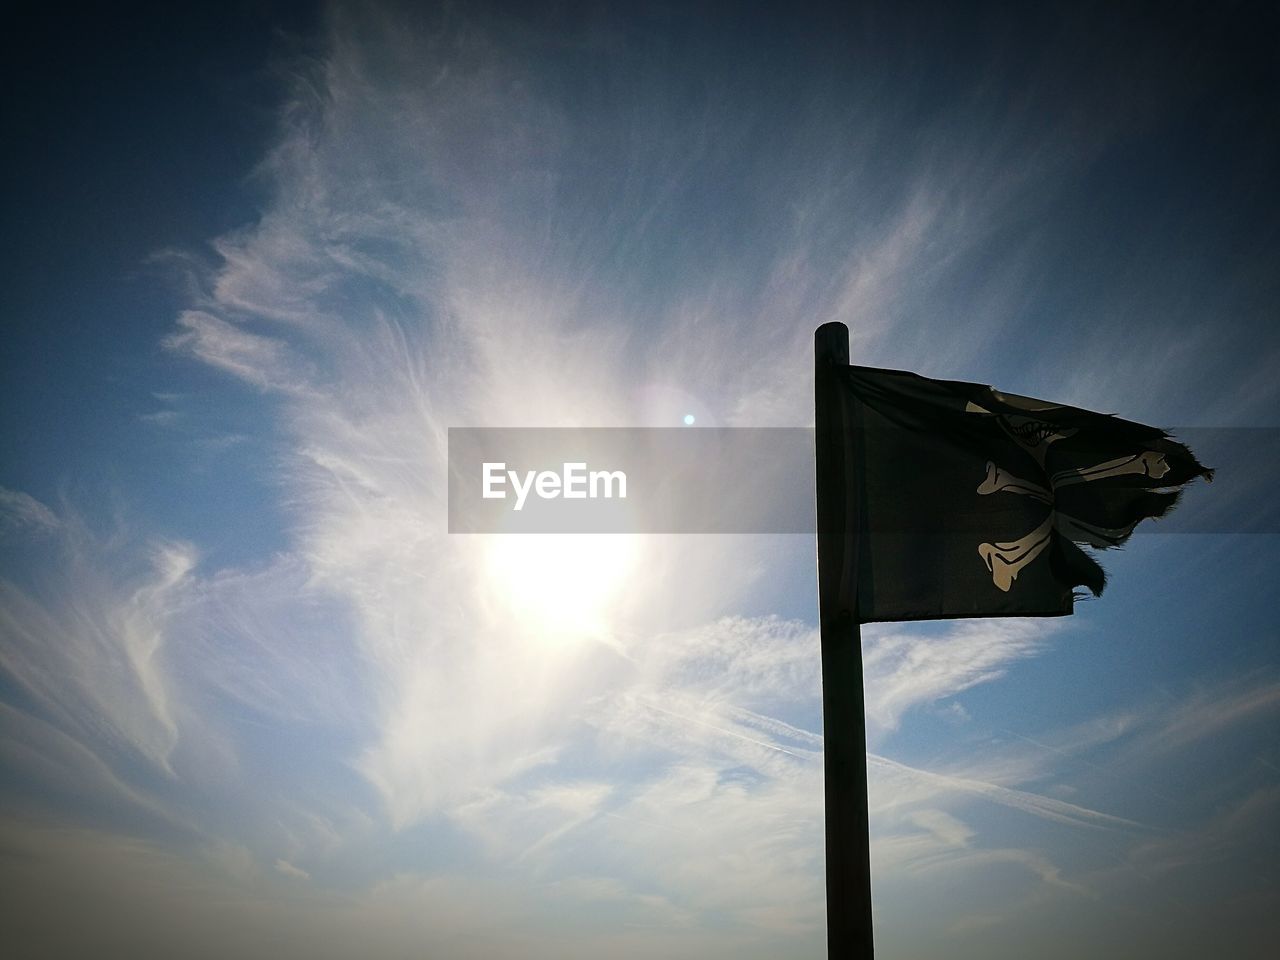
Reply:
x=1005, y=561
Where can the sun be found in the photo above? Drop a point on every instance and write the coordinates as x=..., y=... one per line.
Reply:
x=565, y=587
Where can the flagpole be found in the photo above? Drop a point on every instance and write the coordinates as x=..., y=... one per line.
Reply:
x=843, y=711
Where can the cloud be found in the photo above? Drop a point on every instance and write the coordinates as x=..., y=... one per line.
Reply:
x=254, y=358
x=103, y=681
x=1208, y=713
x=1136, y=742
x=450, y=238
x=1047, y=807
x=23, y=512
x=285, y=868
x=906, y=667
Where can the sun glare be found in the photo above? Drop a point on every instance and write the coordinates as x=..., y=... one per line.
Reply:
x=565, y=586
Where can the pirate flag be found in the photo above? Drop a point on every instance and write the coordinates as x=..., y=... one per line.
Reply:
x=969, y=502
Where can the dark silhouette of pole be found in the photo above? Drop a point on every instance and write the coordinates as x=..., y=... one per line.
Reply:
x=844, y=725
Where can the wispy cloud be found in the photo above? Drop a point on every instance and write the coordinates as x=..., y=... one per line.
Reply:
x=254, y=358
x=391, y=725
x=285, y=868
x=1057, y=810
x=20, y=510
x=104, y=679
x=907, y=668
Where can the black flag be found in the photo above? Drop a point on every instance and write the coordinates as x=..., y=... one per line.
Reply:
x=969, y=502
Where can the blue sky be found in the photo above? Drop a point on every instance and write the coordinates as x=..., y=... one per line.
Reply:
x=258, y=702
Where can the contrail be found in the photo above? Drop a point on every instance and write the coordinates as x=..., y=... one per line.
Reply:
x=1056, y=810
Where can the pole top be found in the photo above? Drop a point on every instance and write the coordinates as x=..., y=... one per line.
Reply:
x=831, y=344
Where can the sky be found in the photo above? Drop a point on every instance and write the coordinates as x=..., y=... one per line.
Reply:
x=258, y=702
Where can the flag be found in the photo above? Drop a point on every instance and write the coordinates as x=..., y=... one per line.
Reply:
x=969, y=502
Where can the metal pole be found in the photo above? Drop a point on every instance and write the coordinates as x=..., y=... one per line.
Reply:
x=843, y=712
